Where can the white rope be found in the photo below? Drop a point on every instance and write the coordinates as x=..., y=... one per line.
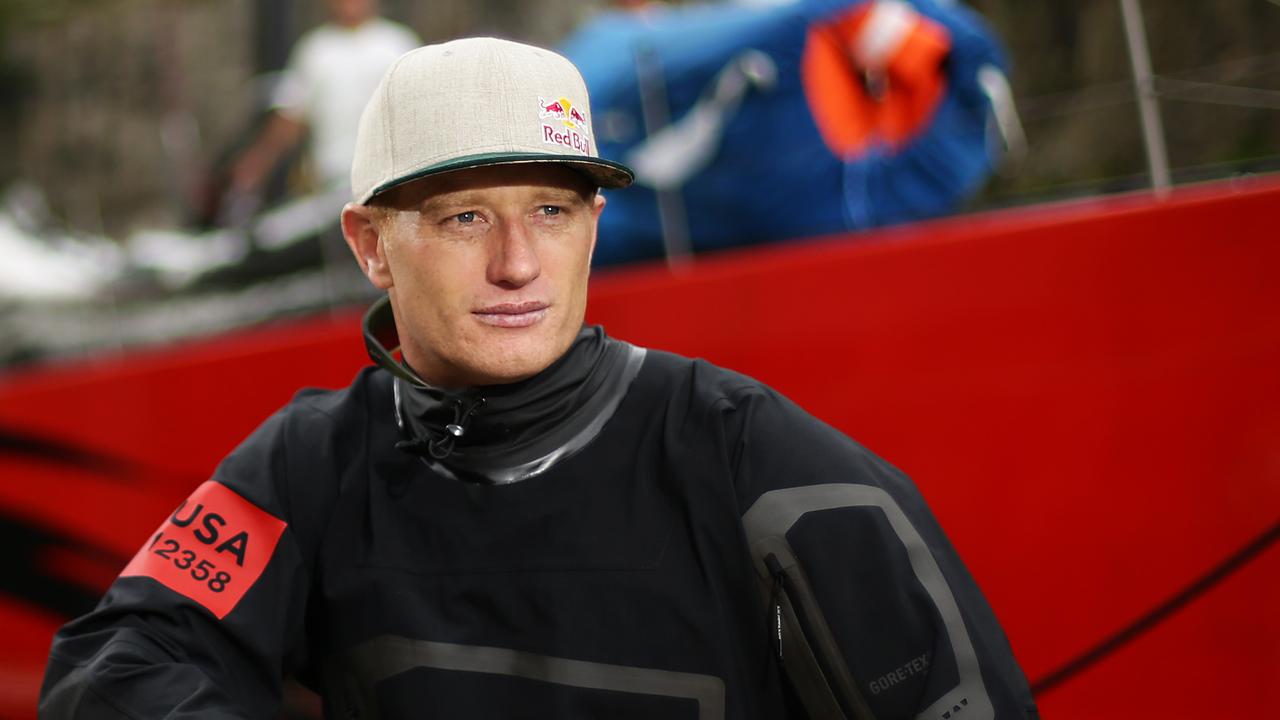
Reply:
x=1217, y=94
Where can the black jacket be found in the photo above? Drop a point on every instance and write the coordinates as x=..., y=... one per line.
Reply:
x=704, y=540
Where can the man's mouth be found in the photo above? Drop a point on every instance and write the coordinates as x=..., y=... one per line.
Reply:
x=512, y=315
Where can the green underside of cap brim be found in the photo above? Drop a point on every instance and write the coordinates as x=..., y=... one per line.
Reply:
x=605, y=173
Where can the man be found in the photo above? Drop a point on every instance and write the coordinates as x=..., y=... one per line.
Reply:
x=524, y=517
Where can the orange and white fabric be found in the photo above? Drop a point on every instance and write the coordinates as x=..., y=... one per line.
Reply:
x=874, y=75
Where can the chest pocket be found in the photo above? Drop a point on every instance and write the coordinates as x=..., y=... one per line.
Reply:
x=860, y=607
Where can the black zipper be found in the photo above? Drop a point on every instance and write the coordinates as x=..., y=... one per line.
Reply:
x=794, y=609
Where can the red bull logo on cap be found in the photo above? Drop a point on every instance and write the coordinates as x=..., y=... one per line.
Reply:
x=571, y=129
x=551, y=109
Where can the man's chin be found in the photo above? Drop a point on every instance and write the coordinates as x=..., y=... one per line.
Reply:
x=513, y=362
x=492, y=355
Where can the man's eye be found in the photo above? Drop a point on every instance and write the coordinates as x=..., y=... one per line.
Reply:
x=465, y=218
x=550, y=210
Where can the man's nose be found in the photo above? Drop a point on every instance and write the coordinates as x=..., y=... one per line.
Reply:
x=513, y=258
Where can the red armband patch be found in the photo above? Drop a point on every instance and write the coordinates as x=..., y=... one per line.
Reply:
x=211, y=549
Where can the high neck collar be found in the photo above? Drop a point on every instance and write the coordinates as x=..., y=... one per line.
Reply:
x=504, y=433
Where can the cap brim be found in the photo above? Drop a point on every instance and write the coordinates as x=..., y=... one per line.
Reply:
x=604, y=173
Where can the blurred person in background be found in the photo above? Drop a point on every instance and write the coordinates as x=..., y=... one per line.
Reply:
x=523, y=517
x=332, y=71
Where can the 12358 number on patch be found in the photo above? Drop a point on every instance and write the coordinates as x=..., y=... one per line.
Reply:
x=201, y=570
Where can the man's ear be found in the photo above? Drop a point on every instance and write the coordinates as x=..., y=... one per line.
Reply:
x=597, y=206
x=363, y=233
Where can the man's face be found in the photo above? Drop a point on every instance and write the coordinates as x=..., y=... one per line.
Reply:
x=351, y=13
x=486, y=268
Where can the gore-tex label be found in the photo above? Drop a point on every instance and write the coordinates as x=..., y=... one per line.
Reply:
x=211, y=549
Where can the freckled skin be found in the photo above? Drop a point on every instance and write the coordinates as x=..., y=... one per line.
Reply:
x=486, y=268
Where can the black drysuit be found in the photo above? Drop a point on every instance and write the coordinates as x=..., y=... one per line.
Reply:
x=630, y=534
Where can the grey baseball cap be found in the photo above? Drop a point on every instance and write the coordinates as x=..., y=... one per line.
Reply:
x=475, y=102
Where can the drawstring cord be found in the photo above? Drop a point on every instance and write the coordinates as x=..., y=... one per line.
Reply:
x=440, y=447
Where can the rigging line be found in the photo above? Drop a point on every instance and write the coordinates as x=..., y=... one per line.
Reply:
x=1057, y=99
x=999, y=198
x=1099, y=97
x=1205, y=171
x=1028, y=104
x=1074, y=108
x=1160, y=613
x=1214, y=93
x=1248, y=66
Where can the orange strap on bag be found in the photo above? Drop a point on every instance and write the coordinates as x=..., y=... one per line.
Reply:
x=874, y=75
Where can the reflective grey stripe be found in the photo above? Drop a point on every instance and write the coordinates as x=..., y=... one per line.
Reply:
x=778, y=510
x=537, y=466
x=388, y=655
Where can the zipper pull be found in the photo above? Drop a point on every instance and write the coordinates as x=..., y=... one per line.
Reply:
x=775, y=601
